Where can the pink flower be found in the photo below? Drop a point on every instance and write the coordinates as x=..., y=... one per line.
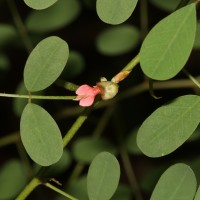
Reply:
x=86, y=95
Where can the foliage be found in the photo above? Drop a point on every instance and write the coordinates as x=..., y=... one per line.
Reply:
x=70, y=44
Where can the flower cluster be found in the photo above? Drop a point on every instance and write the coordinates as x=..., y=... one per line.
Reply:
x=107, y=89
x=86, y=94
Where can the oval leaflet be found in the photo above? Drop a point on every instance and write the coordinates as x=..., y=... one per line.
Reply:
x=38, y=4
x=45, y=63
x=177, y=181
x=115, y=11
x=168, y=127
x=40, y=135
x=103, y=176
x=168, y=45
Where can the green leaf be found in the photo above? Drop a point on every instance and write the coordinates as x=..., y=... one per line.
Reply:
x=197, y=196
x=177, y=182
x=115, y=11
x=12, y=178
x=45, y=63
x=103, y=177
x=168, y=45
x=167, y=5
x=4, y=63
x=8, y=34
x=118, y=40
x=85, y=149
x=197, y=38
x=169, y=126
x=57, y=16
x=40, y=135
x=38, y=4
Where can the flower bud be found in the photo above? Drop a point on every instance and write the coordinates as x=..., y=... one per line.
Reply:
x=108, y=89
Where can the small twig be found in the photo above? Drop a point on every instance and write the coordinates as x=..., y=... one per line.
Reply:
x=151, y=90
x=75, y=127
x=192, y=78
x=9, y=139
x=37, y=96
x=59, y=191
x=20, y=26
x=144, y=18
x=28, y=189
x=130, y=174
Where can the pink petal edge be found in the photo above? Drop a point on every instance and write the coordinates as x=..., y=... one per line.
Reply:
x=88, y=101
x=83, y=89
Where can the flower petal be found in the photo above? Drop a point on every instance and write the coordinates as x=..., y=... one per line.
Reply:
x=84, y=89
x=87, y=101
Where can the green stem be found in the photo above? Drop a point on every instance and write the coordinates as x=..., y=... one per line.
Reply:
x=20, y=26
x=103, y=122
x=59, y=191
x=9, y=139
x=130, y=174
x=75, y=173
x=75, y=127
x=144, y=17
x=37, y=96
x=28, y=189
x=151, y=90
x=192, y=78
x=67, y=85
x=132, y=63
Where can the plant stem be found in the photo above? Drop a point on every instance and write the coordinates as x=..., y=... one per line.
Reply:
x=9, y=139
x=143, y=18
x=67, y=85
x=132, y=64
x=192, y=78
x=28, y=189
x=20, y=26
x=75, y=173
x=59, y=191
x=75, y=127
x=103, y=122
x=96, y=134
x=37, y=96
x=130, y=174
